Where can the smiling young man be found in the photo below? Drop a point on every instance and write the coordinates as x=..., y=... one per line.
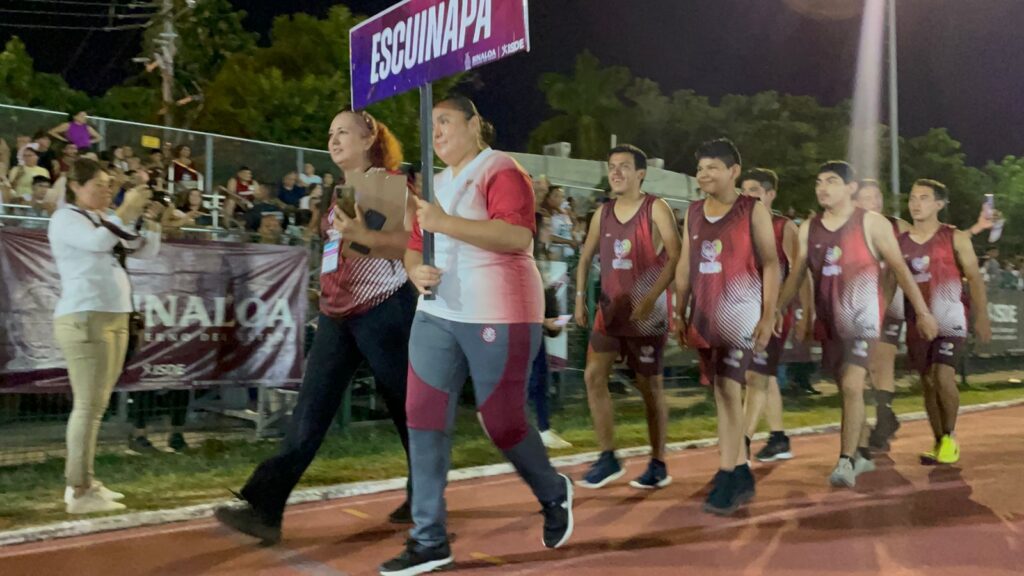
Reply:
x=636, y=237
x=940, y=256
x=843, y=248
x=763, y=394
x=728, y=276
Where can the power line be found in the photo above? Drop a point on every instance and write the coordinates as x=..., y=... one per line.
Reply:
x=75, y=14
x=97, y=28
x=103, y=4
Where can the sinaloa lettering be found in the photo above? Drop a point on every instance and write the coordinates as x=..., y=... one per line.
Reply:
x=432, y=33
x=174, y=311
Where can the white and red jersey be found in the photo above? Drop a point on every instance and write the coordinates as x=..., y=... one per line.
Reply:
x=725, y=277
x=847, y=281
x=480, y=286
x=933, y=264
x=359, y=284
x=630, y=267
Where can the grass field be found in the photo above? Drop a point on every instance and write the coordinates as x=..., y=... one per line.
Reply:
x=32, y=494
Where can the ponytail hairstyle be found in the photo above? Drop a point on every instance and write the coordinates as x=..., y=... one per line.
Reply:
x=386, y=150
x=469, y=110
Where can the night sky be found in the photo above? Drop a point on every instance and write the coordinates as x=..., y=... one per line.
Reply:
x=961, y=63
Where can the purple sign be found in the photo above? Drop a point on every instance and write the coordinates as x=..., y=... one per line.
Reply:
x=419, y=41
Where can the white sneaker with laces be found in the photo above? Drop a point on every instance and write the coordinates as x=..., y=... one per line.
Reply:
x=104, y=492
x=91, y=502
x=553, y=441
x=844, y=474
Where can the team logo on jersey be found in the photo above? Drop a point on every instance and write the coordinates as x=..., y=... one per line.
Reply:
x=489, y=334
x=647, y=354
x=761, y=358
x=946, y=348
x=734, y=358
x=710, y=251
x=832, y=266
x=860, y=348
x=920, y=268
x=622, y=249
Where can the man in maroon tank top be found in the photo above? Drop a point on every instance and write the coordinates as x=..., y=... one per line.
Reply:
x=939, y=256
x=638, y=242
x=762, y=385
x=882, y=364
x=728, y=275
x=843, y=248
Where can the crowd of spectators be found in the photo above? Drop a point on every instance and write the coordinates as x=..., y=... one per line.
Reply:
x=280, y=209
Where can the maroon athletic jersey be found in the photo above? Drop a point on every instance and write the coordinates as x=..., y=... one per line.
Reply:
x=895, y=309
x=725, y=277
x=937, y=274
x=779, y=226
x=630, y=266
x=847, y=281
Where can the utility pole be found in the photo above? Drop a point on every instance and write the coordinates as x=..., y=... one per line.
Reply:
x=894, y=105
x=168, y=49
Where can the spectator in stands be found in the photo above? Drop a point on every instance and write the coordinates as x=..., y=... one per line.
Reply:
x=144, y=406
x=183, y=170
x=309, y=176
x=290, y=192
x=328, y=182
x=155, y=160
x=270, y=230
x=77, y=131
x=38, y=206
x=366, y=312
x=263, y=202
x=561, y=242
x=118, y=160
x=316, y=194
x=91, y=318
x=47, y=156
x=68, y=154
x=992, y=271
x=193, y=205
x=22, y=176
x=133, y=179
x=241, y=190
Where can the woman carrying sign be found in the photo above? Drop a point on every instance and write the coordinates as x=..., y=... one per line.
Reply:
x=485, y=323
x=366, y=311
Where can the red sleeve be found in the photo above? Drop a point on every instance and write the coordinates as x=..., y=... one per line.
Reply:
x=510, y=198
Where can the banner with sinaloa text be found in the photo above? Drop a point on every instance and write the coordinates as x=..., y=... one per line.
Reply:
x=217, y=313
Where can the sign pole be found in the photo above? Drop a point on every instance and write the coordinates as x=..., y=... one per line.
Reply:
x=427, y=164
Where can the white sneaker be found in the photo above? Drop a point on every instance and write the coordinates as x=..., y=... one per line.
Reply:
x=553, y=441
x=104, y=492
x=91, y=502
x=862, y=465
x=843, y=475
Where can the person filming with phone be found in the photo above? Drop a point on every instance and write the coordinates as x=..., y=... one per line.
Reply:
x=89, y=242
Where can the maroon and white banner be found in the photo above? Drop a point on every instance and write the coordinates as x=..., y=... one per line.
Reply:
x=217, y=313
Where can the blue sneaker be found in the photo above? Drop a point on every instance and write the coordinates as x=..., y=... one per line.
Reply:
x=603, y=472
x=656, y=476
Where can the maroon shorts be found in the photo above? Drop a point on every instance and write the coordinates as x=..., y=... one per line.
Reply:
x=643, y=353
x=731, y=363
x=946, y=350
x=891, y=328
x=835, y=354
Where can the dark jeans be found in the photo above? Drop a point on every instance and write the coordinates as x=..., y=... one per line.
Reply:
x=538, y=388
x=145, y=405
x=381, y=337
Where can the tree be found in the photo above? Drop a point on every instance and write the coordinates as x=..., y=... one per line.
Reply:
x=1007, y=184
x=938, y=156
x=22, y=85
x=588, y=104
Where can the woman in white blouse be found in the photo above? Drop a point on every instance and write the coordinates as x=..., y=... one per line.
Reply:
x=91, y=319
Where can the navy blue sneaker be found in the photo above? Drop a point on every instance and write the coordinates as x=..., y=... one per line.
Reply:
x=722, y=500
x=656, y=476
x=606, y=470
x=743, y=479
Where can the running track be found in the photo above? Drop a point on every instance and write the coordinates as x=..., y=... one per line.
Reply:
x=901, y=519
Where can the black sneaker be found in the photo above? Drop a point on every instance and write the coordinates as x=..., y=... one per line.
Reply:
x=402, y=514
x=558, y=521
x=418, y=559
x=177, y=442
x=606, y=470
x=248, y=521
x=743, y=480
x=777, y=448
x=722, y=499
x=141, y=445
x=656, y=476
x=884, y=431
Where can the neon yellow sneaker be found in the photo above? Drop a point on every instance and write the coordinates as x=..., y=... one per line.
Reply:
x=931, y=457
x=949, y=451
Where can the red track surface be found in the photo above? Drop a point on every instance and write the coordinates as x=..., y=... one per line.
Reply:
x=901, y=519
